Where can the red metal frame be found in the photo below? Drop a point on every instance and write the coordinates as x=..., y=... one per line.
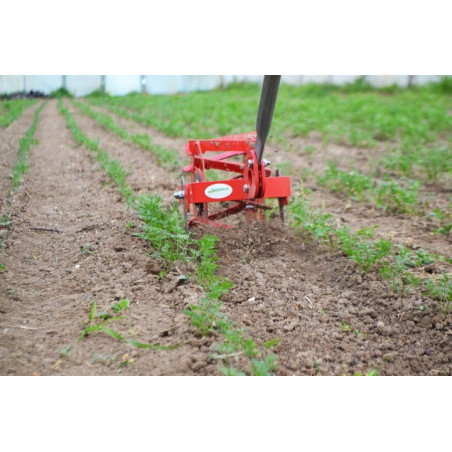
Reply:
x=248, y=188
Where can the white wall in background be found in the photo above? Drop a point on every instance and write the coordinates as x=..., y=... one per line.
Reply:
x=11, y=84
x=118, y=85
x=43, y=83
x=386, y=80
x=163, y=84
x=81, y=85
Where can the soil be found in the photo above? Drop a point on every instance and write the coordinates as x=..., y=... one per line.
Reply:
x=331, y=318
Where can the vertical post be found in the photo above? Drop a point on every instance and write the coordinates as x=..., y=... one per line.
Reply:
x=102, y=83
x=64, y=82
x=143, y=84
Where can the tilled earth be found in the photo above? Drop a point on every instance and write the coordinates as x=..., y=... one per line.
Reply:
x=70, y=242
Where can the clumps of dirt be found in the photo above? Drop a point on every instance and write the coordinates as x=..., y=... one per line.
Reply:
x=331, y=318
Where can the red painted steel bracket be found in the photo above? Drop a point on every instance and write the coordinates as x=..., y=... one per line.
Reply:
x=247, y=190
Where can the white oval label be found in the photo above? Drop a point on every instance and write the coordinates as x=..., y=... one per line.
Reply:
x=218, y=191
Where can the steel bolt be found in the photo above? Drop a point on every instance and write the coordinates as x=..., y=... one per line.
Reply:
x=179, y=194
x=250, y=163
x=246, y=188
x=267, y=162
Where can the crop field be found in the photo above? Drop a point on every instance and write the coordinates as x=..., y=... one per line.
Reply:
x=99, y=277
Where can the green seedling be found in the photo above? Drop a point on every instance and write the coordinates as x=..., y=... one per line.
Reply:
x=441, y=290
x=2, y=267
x=345, y=326
x=87, y=248
x=121, y=305
x=360, y=248
x=66, y=350
x=130, y=225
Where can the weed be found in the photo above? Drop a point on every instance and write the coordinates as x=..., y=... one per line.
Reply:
x=2, y=267
x=130, y=225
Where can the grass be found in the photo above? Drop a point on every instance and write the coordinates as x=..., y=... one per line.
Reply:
x=10, y=110
x=163, y=228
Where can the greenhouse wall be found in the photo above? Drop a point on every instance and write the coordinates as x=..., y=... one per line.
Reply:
x=118, y=85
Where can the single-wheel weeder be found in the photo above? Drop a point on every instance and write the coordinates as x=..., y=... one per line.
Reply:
x=241, y=155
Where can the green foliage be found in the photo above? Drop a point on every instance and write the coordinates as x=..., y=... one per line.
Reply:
x=165, y=157
x=121, y=305
x=113, y=168
x=351, y=183
x=386, y=194
x=390, y=195
x=356, y=113
x=441, y=290
x=61, y=93
x=398, y=270
x=10, y=110
x=308, y=220
x=360, y=248
x=25, y=143
x=163, y=228
x=204, y=316
x=2, y=267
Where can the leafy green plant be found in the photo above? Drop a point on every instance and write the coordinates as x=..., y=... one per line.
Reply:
x=398, y=271
x=360, y=248
x=87, y=248
x=163, y=228
x=351, y=183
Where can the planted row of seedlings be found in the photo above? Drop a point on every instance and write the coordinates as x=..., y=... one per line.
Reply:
x=395, y=263
x=10, y=110
x=163, y=228
x=167, y=158
x=19, y=169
